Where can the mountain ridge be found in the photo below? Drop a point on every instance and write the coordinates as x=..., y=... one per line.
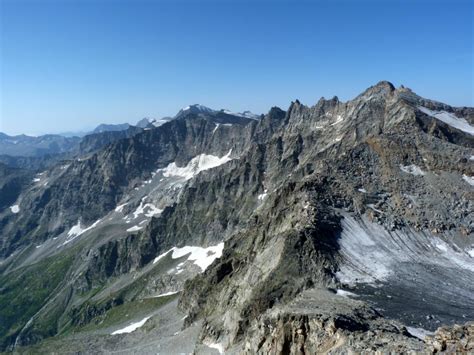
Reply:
x=291, y=195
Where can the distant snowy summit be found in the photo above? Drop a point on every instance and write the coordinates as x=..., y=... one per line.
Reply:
x=201, y=109
x=152, y=122
x=246, y=114
x=194, y=109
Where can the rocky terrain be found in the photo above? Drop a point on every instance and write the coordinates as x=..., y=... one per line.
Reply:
x=334, y=228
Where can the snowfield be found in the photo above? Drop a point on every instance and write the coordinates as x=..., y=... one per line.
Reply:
x=195, y=166
x=372, y=254
x=450, y=119
x=202, y=257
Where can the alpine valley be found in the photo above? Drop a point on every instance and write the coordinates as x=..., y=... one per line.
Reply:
x=334, y=228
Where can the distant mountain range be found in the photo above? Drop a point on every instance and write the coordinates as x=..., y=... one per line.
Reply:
x=56, y=144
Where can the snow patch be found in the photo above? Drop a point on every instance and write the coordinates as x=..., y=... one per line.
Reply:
x=77, y=230
x=419, y=333
x=134, y=229
x=441, y=247
x=132, y=327
x=471, y=252
x=412, y=169
x=202, y=257
x=36, y=179
x=364, y=191
x=120, y=207
x=195, y=166
x=215, y=128
x=216, y=346
x=345, y=293
x=167, y=294
x=468, y=179
x=148, y=209
x=261, y=197
x=15, y=208
x=450, y=119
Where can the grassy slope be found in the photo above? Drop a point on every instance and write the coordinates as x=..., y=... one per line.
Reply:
x=24, y=291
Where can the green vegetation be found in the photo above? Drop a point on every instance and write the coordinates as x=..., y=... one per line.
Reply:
x=23, y=292
x=103, y=309
x=127, y=311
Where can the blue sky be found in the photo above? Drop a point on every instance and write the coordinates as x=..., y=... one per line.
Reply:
x=68, y=64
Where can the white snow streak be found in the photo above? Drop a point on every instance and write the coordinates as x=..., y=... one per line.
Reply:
x=167, y=294
x=15, y=208
x=338, y=120
x=450, y=119
x=134, y=229
x=132, y=327
x=120, y=207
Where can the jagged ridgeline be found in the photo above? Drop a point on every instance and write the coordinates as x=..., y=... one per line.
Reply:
x=344, y=226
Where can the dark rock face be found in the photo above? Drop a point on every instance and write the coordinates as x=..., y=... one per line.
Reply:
x=12, y=181
x=95, y=141
x=311, y=202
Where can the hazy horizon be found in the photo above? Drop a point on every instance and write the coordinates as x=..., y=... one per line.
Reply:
x=71, y=65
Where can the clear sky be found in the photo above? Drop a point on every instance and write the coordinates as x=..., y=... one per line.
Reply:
x=68, y=64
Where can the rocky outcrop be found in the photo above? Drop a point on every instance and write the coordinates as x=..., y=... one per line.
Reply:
x=455, y=340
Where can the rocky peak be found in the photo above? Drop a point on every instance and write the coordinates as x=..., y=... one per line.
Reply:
x=381, y=89
x=194, y=109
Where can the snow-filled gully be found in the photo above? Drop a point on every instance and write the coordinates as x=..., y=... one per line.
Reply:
x=415, y=277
